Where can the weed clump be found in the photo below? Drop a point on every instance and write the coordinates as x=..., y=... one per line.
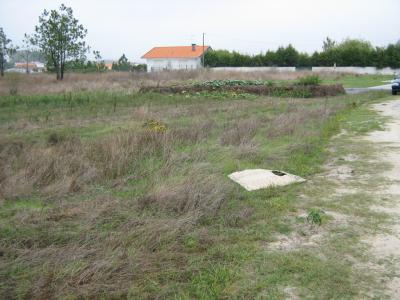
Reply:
x=309, y=80
x=315, y=216
x=155, y=126
x=55, y=138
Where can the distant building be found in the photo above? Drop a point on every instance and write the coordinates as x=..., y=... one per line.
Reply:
x=108, y=64
x=33, y=67
x=175, y=58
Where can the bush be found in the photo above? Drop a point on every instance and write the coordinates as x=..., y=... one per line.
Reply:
x=309, y=80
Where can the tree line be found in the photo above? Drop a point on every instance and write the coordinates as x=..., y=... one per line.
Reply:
x=351, y=52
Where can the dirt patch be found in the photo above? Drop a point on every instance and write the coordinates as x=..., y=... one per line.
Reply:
x=294, y=241
x=387, y=245
x=307, y=235
x=291, y=293
x=341, y=172
x=380, y=237
x=350, y=157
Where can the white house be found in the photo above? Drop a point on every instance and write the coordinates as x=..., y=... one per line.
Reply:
x=33, y=67
x=175, y=58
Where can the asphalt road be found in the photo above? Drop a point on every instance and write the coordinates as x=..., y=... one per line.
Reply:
x=386, y=87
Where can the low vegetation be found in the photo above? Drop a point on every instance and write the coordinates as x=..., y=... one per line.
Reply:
x=22, y=84
x=125, y=195
x=305, y=87
x=309, y=80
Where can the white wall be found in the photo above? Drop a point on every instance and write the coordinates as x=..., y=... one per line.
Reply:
x=159, y=64
x=358, y=70
x=195, y=63
x=255, y=69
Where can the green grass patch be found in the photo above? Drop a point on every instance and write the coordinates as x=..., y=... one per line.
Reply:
x=359, y=81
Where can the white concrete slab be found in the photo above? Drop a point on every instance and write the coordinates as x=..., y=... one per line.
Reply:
x=255, y=179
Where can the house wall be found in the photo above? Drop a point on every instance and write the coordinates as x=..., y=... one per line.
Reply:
x=159, y=64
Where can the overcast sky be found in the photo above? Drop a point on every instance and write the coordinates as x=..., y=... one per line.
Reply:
x=249, y=26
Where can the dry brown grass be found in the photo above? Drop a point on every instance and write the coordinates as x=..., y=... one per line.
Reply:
x=197, y=194
x=195, y=133
x=47, y=84
x=294, y=119
x=240, y=132
x=66, y=164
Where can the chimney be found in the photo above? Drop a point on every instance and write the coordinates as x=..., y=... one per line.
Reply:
x=193, y=47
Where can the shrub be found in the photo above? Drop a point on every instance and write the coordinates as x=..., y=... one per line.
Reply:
x=309, y=80
x=55, y=138
x=155, y=126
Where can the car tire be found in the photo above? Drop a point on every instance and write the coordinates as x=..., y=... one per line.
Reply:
x=394, y=93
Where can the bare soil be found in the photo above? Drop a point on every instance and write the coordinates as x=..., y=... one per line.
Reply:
x=387, y=245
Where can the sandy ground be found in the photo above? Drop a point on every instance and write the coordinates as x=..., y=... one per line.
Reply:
x=349, y=179
x=387, y=246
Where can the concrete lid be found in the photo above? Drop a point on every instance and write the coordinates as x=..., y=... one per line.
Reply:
x=255, y=179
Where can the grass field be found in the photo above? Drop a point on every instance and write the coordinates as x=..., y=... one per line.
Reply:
x=126, y=195
x=359, y=81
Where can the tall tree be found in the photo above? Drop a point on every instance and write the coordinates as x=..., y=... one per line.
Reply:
x=61, y=38
x=122, y=65
x=328, y=44
x=6, y=49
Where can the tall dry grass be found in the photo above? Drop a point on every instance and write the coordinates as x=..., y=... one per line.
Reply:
x=67, y=164
x=240, y=132
x=26, y=84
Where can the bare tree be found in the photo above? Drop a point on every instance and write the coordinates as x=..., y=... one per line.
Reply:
x=27, y=51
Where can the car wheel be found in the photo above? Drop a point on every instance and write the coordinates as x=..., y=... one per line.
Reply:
x=394, y=93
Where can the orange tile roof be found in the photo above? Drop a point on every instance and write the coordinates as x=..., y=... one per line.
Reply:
x=176, y=52
x=108, y=65
x=22, y=65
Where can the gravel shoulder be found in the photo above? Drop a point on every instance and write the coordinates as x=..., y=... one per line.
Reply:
x=358, y=190
x=386, y=246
